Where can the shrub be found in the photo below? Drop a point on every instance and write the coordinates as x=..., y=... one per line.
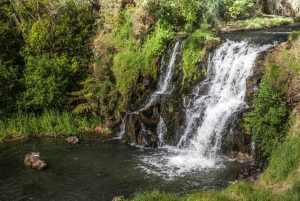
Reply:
x=237, y=8
x=268, y=121
x=294, y=35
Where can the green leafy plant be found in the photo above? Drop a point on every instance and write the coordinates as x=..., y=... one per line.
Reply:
x=268, y=120
x=238, y=8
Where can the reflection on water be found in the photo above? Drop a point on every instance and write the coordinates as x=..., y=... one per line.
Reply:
x=94, y=171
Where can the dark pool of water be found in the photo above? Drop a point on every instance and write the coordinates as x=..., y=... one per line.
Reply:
x=92, y=170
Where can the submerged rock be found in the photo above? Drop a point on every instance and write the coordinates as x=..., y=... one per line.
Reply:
x=72, y=140
x=35, y=161
x=118, y=198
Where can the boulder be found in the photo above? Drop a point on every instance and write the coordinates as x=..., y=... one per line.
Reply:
x=250, y=173
x=72, y=140
x=35, y=161
x=243, y=157
x=140, y=127
x=147, y=139
x=118, y=198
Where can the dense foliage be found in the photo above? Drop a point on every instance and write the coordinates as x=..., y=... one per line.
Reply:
x=268, y=121
x=91, y=57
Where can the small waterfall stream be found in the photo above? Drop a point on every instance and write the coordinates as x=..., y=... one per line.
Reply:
x=164, y=87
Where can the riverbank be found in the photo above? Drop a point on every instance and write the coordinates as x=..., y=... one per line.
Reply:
x=255, y=23
x=49, y=124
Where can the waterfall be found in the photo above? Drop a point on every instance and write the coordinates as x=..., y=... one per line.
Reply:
x=164, y=85
x=224, y=93
x=122, y=129
x=161, y=130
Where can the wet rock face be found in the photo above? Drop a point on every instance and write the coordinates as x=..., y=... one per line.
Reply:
x=242, y=157
x=173, y=114
x=147, y=139
x=140, y=128
x=35, y=161
x=254, y=81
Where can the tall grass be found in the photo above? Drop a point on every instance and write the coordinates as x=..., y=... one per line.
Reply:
x=49, y=123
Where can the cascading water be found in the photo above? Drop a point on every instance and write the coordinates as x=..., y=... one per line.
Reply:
x=164, y=87
x=214, y=101
x=161, y=130
x=225, y=83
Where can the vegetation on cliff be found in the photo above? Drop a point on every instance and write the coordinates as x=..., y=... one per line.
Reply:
x=99, y=58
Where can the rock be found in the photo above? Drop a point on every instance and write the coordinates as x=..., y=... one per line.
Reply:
x=140, y=128
x=253, y=82
x=35, y=161
x=243, y=157
x=113, y=122
x=147, y=139
x=72, y=140
x=294, y=92
x=249, y=173
x=98, y=129
x=118, y=198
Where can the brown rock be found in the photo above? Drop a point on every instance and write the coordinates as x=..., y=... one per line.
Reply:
x=240, y=156
x=72, y=140
x=35, y=161
x=118, y=198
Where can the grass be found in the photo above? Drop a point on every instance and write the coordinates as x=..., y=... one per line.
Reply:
x=263, y=22
x=256, y=23
x=194, y=49
x=49, y=123
x=294, y=35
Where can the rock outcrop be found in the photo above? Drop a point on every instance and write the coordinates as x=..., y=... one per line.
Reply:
x=35, y=161
x=140, y=128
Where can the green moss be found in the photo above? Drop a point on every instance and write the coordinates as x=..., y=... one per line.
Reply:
x=194, y=50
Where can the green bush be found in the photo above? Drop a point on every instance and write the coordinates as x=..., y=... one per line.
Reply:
x=238, y=8
x=126, y=68
x=294, y=35
x=268, y=121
